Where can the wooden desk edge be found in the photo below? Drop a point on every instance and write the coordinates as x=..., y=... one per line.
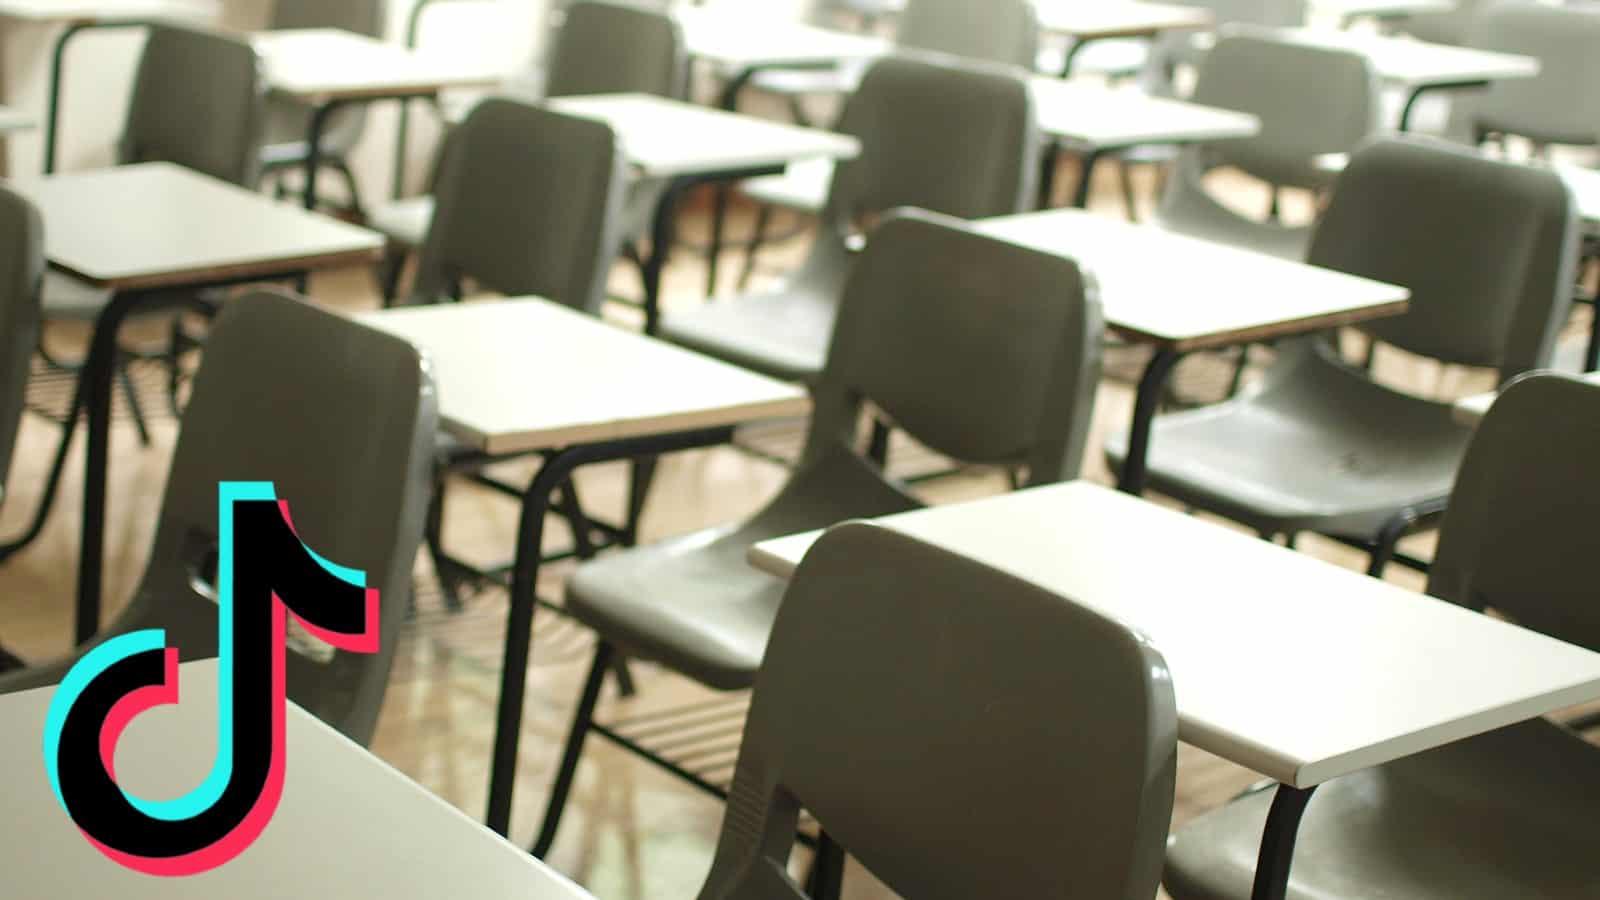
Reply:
x=1292, y=328
x=723, y=417
x=227, y=273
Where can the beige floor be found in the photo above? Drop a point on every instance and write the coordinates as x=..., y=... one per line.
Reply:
x=632, y=832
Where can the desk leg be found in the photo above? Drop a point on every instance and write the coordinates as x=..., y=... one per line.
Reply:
x=319, y=124
x=663, y=229
x=1591, y=355
x=524, y=597
x=1277, y=842
x=1151, y=386
x=95, y=387
x=1080, y=199
x=1048, y=161
x=719, y=210
x=1416, y=94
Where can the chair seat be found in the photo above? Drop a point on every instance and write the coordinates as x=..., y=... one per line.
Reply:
x=66, y=298
x=784, y=334
x=1188, y=213
x=404, y=222
x=695, y=603
x=1345, y=454
x=1506, y=814
x=803, y=188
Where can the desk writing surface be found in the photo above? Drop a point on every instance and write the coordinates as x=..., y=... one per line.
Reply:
x=740, y=40
x=319, y=64
x=528, y=374
x=347, y=826
x=1167, y=288
x=1100, y=117
x=91, y=11
x=1290, y=666
x=1414, y=63
x=668, y=138
x=160, y=225
x=1096, y=19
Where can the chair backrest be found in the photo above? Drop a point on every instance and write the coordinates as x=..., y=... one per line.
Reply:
x=616, y=48
x=368, y=17
x=1487, y=248
x=1556, y=106
x=961, y=732
x=982, y=350
x=21, y=268
x=1452, y=25
x=956, y=140
x=1311, y=101
x=528, y=203
x=1520, y=534
x=1001, y=31
x=198, y=100
x=341, y=418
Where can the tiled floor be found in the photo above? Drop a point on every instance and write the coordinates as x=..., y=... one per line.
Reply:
x=632, y=832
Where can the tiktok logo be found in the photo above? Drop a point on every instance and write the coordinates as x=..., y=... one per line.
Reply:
x=263, y=571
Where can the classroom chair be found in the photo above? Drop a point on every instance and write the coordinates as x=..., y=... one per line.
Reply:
x=1005, y=32
x=958, y=141
x=962, y=732
x=986, y=351
x=1505, y=814
x=1310, y=100
x=600, y=48
x=288, y=123
x=529, y=204
x=1487, y=250
x=211, y=124
x=21, y=271
x=1553, y=107
x=345, y=435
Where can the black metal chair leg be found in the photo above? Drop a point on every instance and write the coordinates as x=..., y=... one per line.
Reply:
x=757, y=241
x=135, y=410
x=1130, y=198
x=433, y=533
x=878, y=446
x=389, y=272
x=1387, y=540
x=825, y=881
x=582, y=721
x=342, y=166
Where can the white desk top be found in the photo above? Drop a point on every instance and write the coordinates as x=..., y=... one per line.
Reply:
x=667, y=138
x=1096, y=116
x=347, y=824
x=1471, y=410
x=321, y=64
x=1098, y=19
x=12, y=119
x=90, y=11
x=1380, y=9
x=161, y=225
x=1282, y=663
x=739, y=40
x=1585, y=186
x=518, y=375
x=1189, y=293
x=1413, y=63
